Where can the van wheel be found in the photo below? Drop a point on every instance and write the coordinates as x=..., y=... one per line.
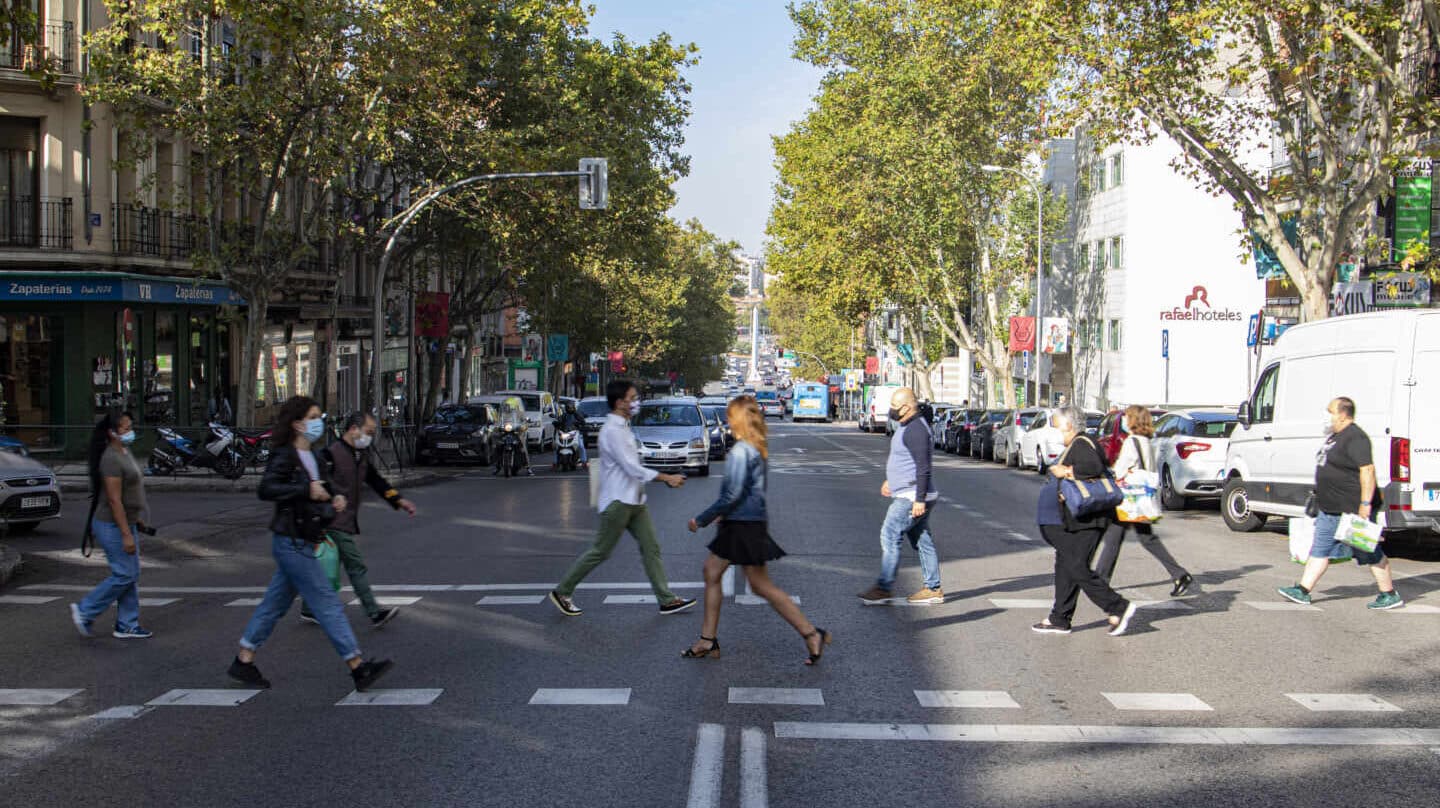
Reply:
x=1235, y=508
x=1170, y=499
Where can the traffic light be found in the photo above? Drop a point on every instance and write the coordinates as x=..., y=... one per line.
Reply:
x=594, y=183
x=779, y=353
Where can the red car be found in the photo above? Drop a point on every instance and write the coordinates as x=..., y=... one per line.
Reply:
x=1111, y=438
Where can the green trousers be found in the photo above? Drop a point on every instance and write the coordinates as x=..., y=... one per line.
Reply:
x=614, y=520
x=355, y=570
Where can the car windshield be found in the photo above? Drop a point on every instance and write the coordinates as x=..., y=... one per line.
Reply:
x=594, y=409
x=532, y=403
x=668, y=415
x=459, y=415
x=1213, y=429
x=1093, y=421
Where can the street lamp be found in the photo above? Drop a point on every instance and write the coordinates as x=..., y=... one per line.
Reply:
x=1039, y=261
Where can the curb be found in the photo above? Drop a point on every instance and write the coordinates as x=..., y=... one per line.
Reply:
x=9, y=563
x=245, y=485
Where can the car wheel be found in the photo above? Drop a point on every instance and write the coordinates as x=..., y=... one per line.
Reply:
x=18, y=528
x=1170, y=499
x=1012, y=456
x=1235, y=508
x=1039, y=463
x=705, y=470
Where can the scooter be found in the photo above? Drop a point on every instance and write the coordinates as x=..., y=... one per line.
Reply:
x=510, y=454
x=567, y=450
x=174, y=452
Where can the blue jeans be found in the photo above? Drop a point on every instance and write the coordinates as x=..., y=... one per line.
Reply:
x=298, y=573
x=1325, y=546
x=123, y=586
x=900, y=525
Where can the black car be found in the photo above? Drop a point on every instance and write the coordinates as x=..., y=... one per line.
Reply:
x=721, y=438
x=594, y=409
x=458, y=433
x=957, y=431
x=982, y=433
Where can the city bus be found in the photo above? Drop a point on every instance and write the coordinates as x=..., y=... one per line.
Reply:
x=812, y=402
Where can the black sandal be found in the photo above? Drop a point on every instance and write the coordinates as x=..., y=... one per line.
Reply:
x=712, y=652
x=825, y=639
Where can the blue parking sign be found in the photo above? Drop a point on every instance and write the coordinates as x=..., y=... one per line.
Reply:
x=1164, y=343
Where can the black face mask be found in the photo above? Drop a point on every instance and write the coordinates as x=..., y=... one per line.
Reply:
x=894, y=414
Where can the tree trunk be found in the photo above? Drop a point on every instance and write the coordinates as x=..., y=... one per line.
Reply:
x=258, y=305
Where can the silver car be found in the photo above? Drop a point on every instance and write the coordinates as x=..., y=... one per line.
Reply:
x=673, y=435
x=1190, y=447
x=29, y=493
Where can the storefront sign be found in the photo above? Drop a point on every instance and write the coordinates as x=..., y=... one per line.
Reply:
x=1197, y=308
x=1413, y=189
x=64, y=288
x=1352, y=298
x=1402, y=290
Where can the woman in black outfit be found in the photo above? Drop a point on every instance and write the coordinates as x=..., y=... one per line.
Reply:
x=1074, y=539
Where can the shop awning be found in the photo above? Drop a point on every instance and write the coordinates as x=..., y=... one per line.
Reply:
x=79, y=287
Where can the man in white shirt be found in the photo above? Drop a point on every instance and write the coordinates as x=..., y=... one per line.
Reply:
x=621, y=502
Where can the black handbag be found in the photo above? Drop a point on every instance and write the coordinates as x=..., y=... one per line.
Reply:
x=312, y=519
x=1312, y=505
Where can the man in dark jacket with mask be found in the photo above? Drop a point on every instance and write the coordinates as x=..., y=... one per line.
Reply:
x=350, y=469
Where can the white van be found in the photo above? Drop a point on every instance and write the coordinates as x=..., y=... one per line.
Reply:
x=876, y=417
x=1389, y=363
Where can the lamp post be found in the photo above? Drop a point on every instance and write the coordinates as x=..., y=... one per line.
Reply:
x=1039, y=261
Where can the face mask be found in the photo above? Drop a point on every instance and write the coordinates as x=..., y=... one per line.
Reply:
x=893, y=414
x=1329, y=425
x=364, y=441
x=1125, y=427
x=128, y=438
x=314, y=429
x=634, y=408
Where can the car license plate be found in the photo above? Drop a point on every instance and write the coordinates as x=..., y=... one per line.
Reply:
x=1432, y=495
x=447, y=446
x=34, y=502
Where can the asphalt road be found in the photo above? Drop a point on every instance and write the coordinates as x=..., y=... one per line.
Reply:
x=1225, y=698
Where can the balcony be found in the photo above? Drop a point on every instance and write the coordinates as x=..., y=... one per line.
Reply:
x=155, y=233
x=44, y=223
x=1422, y=70
x=36, y=47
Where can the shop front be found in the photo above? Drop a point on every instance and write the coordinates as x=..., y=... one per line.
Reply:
x=74, y=345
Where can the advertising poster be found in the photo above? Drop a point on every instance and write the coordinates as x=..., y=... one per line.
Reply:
x=1413, y=190
x=1056, y=339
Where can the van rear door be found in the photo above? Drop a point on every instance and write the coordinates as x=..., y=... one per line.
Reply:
x=1421, y=426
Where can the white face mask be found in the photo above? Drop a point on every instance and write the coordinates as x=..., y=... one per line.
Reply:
x=634, y=408
x=1329, y=424
x=364, y=441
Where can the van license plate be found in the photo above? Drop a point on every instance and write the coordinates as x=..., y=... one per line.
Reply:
x=34, y=502
x=447, y=446
x=1432, y=495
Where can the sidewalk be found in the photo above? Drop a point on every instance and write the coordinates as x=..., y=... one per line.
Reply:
x=73, y=480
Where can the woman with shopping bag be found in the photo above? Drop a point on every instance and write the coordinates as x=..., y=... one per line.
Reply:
x=1135, y=470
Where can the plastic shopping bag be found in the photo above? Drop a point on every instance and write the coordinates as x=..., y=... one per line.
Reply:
x=1142, y=498
x=1302, y=538
x=1358, y=532
x=329, y=557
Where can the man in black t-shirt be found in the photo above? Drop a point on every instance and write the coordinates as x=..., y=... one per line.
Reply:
x=1344, y=484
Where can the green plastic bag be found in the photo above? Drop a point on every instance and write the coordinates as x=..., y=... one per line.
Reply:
x=329, y=557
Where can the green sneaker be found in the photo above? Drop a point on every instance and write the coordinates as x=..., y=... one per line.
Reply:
x=1296, y=594
x=1386, y=600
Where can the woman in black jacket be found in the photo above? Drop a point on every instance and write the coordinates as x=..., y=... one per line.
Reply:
x=1075, y=539
x=295, y=480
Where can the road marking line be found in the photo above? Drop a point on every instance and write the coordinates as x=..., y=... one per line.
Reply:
x=35, y=697
x=245, y=602
x=754, y=790
x=158, y=601
x=1409, y=608
x=631, y=599
x=122, y=712
x=804, y=696
x=756, y=600
x=26, y=600
x=1280, y=606
x=391, y=698
x=1343, y=702
x=510, y=600
x=1164, y=605
x=1079, y=734
x=706, y=774
x=581, y=695
x=389, y=601
x=1022, y=603
x=1018, y=536
x=727, y=582
x=177, y=590
x=260, y=590
x=203, y=698
x=970, y=699
x=414, y=587
x=1157, y=701
x=587, y=585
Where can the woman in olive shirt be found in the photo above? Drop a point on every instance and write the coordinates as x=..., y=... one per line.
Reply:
x=116, y=481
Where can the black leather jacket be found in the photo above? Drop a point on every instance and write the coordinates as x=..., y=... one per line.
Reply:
x=285, y=482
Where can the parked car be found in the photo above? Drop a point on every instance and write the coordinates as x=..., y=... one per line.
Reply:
x=673, y=435
x=982, y=433
x=1190, y=448
x=957, y=430
x=1111, y=437
x=594, y=408
x=13, y=446
x=1041, y=444
x=1389, y=363
x=940, y=414
x=32, y=494
x=876, y=416
x=458, y=433
x=540, y=414
x=719, y=427
x=1007, y=435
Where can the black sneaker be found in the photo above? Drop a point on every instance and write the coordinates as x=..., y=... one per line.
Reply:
x=1182, y=585
x=566, y=606
x=1046, y=627
x=369, y=673
x=247, y=673
x=677, y=606
x=385, y=616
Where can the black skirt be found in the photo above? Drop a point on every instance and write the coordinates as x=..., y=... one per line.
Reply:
x=745, y=543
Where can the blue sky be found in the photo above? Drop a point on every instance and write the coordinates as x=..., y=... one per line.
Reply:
x=745, y=89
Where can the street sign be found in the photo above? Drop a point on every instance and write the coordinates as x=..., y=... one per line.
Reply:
x=1025, y=363
x=1251, y=334
x=907, y=351
x=557, y=348
x=1164, y=343
x=594, y=183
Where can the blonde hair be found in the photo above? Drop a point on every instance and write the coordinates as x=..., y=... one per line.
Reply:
x=748, y=423
x=1139, y=420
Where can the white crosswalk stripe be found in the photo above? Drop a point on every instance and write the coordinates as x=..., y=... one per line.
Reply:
x=1280, y=606
x=36, y=697
x=203, y=698
x=968, y=699
x=1343, y=702
x=1157, y=702
x=806, y=696
x=391, y=698
x=510, y=600
x=389, y=600
x=25, y=600
x=617, y=696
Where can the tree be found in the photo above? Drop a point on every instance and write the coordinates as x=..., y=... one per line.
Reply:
x=1345, y=85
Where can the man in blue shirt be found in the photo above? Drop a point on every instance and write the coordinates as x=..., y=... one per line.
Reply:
x=908, y=483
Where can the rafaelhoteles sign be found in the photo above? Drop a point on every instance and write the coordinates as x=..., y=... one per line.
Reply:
x=1197, y=308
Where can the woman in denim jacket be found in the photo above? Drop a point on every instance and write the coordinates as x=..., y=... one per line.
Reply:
x=743, y=537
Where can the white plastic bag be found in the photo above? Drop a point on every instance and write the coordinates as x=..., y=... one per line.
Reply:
x=1302, y=538
x=1142, y=498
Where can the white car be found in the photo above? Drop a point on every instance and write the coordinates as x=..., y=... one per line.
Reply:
x=31, y=492
x=1041, y=444
x=540, y=413
x=1008, y=432
x=1190, y=447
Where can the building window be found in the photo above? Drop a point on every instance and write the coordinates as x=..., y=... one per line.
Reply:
x=1115, y=340
x=1097, y=176
x=1117, y=170
x=1098, y=256
x=1082, y=257
x=19, y=181
x=1115, y=253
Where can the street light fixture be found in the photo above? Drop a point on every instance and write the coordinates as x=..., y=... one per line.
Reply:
x=1039, y=260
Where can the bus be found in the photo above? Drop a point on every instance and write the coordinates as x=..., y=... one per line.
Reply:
x=812, y=402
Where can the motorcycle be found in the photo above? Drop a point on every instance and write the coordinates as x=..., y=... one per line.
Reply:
x=175, y=452
x=567, y=450
x=253, y=446
x=510, y=454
